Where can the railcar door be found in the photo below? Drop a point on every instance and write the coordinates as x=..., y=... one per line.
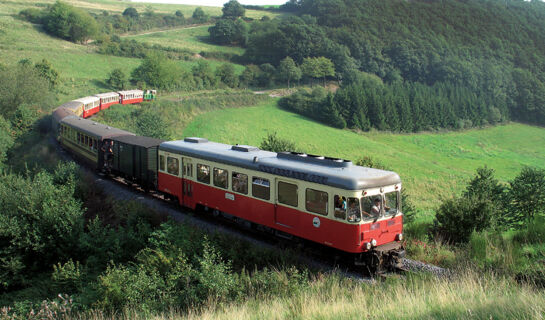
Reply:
x=286, y=203
x=187, y=183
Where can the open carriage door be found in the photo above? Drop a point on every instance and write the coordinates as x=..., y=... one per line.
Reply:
x=188, y=172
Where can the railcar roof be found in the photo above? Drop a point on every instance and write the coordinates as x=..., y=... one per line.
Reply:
x=141, y=141
x=106, y=95
x=328, y=171
x=94, y=129
x=62, y=112
x=71, y=104
x=129, y=92
x=87, y=99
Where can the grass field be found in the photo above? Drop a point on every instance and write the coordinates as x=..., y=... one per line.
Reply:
x=114, y=6
x=433, y=166
x=81, y=69
x=193, y=39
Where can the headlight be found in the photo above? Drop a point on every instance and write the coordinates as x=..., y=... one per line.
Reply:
x=400, y=237
x=374, y=242
x=368, y=245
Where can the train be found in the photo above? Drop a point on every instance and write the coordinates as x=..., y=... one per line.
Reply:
x=355, y=211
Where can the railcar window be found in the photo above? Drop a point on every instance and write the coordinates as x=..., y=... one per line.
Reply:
x=316, y=201
x=240, y=182
x=353, y=212
x=287, y=193
x=261, y=188
x=340, y=207
x=173, y=166
x=391, y=203
x=371, y=207
x=162, y=163
x=95, y=145
x=78, y=137
x=221, y=178
x=203, y=173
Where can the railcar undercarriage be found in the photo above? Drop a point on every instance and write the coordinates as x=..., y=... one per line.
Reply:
x=381, y=259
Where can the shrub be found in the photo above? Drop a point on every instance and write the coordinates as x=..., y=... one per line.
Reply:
x=22, y=84
x=149, y=123
x=67, y=22
x=39, y=228
x=457, y=218
x=6, y=139
x=158, y=72
x=199, y=16
x=226, y=73
x=117, y=79
x=526, y=195
x=275, y=144
x=67, y=277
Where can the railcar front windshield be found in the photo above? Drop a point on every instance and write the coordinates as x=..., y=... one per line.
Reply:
x=371, y=207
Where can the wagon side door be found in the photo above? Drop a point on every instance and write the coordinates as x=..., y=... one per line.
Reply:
x=188, y=172
x=286, y=203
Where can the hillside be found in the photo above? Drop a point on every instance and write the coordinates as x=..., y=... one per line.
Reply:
x=433, y=166
x=474, y=62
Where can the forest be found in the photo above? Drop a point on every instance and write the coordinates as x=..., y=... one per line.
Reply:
x=470, y=63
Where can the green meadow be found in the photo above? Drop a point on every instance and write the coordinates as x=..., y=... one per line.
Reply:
x=191, y=38
x=433, y=166
x=81, y=69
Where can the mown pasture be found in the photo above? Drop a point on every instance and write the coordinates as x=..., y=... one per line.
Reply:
x=191, y=38
x=433, y=166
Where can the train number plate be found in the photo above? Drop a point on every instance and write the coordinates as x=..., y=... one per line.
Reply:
x=229, y=196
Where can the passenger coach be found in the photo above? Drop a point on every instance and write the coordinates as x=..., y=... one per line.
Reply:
x=108, y=99
x=131, y=96
x=87, y=139
x=326, y=200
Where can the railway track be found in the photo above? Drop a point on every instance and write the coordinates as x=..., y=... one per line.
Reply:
x=315, y=257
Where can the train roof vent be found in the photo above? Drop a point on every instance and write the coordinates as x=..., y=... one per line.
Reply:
x=244, y=148
x=314, y=159
x=195, y=140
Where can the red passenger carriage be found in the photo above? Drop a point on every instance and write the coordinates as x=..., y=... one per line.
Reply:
x=91, y=105
x=324, y=200
x=108, y=99
x=131, y=96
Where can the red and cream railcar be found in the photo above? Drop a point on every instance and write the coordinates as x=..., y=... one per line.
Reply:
x=325, y=200
x=91, y=105
x=108, y=99
x=131, y=96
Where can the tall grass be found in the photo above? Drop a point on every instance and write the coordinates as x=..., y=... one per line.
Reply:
x=468, y=295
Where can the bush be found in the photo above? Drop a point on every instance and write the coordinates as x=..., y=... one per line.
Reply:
x=149, y=123
x=226, y=73
x=526, y=195
x=275, y=144
x=39, y=228
x=159, y=72
x=457, y=218
x=67, y=22
x=117, y=79
x=6, y=139
x=22, y=84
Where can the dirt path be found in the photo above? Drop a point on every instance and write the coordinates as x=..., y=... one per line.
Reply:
x=190, y=26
